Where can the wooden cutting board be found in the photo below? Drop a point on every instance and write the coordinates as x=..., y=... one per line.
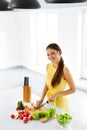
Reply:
x=33, y=110
x=45, y=119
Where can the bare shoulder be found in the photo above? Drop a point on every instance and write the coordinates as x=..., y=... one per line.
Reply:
x=66, y=72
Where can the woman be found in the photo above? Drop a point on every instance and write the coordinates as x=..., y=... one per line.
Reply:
x=57, y=78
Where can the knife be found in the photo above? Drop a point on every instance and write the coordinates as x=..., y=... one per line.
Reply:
x=43, y=104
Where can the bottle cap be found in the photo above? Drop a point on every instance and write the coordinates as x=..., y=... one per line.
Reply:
x=26, y=81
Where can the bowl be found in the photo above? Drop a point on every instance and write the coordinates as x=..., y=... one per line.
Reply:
x=64, y=120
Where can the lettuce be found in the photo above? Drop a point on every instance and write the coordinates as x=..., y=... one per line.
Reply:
x=48, y=114
x=36, y=116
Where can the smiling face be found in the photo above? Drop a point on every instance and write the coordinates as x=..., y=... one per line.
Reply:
x=53, y=55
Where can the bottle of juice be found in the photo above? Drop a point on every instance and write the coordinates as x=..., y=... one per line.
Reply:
x=26, y=90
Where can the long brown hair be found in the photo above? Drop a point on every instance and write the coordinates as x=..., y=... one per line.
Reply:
x=59, y=72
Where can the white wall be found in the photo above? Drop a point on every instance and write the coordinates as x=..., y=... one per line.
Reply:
x=13, y=38
x=14, y=78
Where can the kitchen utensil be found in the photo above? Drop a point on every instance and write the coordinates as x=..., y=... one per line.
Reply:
x=25, y=4
x=64, y=1
x=43, y=104
x=3, y=4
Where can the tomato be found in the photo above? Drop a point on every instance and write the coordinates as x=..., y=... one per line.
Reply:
x=26, y=114
x=12, y=116
x=22, y=112
x=30, y=117
x=25, y=120
x=19, y=113
x=17, y=108
x=21, y=117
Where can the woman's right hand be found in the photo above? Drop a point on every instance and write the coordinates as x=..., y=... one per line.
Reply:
x=38, y=102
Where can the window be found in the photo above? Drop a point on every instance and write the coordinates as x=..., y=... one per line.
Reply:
x=63, y=27
x=84, y=46
x=43, y=26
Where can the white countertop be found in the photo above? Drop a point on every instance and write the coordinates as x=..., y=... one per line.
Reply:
x=8, y=102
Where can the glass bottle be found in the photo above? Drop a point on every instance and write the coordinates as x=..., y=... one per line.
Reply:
x=26, y=90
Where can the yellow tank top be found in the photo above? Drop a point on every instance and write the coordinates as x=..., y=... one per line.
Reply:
x=61, y=101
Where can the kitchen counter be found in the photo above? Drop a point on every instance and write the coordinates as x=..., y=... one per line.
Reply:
x=8, y=103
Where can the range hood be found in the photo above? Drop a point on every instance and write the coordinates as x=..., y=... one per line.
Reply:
x=25, y=4
x=64, y=1
x=45, y=4
x=3, y=5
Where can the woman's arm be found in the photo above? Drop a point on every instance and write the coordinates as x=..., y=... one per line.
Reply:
x=42, y=96
x=45, y=88
x=70, y=81
x=43, y=93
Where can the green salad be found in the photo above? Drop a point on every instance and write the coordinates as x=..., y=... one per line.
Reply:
x=64, y=119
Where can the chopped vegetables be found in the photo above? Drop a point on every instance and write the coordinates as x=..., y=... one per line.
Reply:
x=47, y=113
x=24, y=114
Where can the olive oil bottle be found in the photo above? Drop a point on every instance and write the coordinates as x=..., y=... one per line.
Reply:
x=26, y=90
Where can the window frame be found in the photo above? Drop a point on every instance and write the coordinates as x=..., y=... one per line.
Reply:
x=84, y=46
